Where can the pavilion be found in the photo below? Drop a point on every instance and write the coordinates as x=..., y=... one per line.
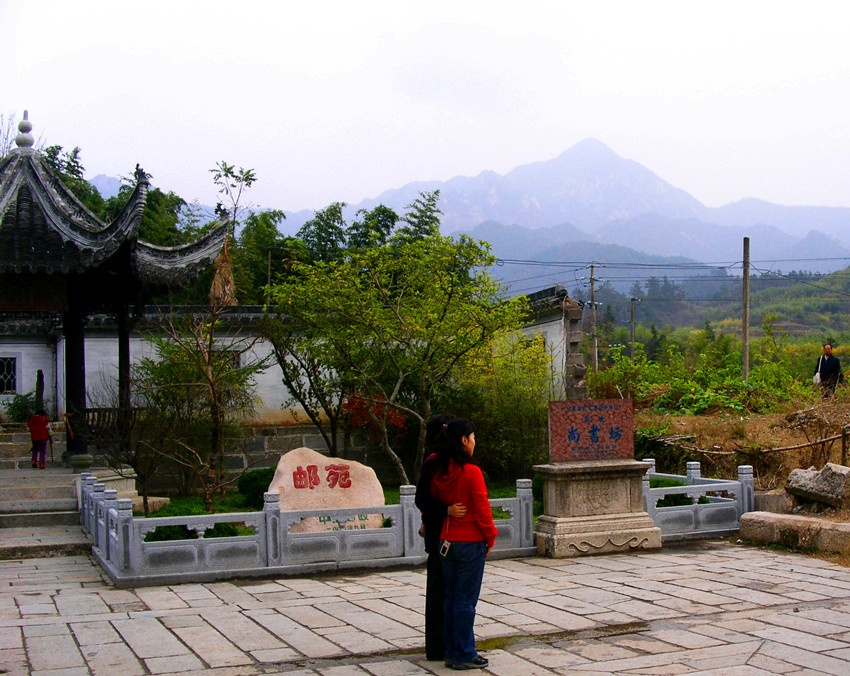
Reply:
x=58, y=259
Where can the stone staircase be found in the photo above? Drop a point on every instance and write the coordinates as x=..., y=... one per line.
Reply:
x=35, y=497
x=15, y=446
x=39, y=514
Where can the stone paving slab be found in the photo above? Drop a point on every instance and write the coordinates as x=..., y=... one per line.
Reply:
x=699, y=608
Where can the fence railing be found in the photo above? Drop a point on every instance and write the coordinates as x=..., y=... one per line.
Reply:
x=271, y=546
x=719, y=512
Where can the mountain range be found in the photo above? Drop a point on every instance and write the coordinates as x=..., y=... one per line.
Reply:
x=592, y=197
x=590, y=205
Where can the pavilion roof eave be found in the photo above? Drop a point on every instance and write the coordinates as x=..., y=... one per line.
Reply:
x=172, y=266
x=85, y=240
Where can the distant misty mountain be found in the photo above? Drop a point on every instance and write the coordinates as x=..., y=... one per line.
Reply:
x=587, y=186
x=590, y=194
x=107, y=186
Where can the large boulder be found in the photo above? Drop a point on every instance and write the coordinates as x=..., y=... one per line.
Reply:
x=829, y=486
x=305, y=479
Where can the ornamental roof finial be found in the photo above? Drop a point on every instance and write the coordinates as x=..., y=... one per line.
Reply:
x=24, y=139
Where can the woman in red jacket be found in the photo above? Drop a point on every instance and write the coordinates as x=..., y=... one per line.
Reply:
x=465, y=542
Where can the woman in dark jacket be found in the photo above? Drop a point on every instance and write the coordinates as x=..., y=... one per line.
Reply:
x=433, y=514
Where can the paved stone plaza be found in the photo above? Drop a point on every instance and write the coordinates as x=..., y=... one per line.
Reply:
x=708, y=608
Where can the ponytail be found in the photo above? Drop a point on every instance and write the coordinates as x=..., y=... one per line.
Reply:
x=456, y=429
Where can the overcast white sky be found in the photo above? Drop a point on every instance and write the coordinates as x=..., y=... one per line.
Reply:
x=341, y=100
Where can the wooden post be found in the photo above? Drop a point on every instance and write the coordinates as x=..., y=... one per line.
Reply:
x=844, y=434
x=745, y=314
x=593, y=318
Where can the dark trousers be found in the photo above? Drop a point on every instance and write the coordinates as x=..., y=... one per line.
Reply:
x=463, y=569
x=435, y=589
x=39, y=451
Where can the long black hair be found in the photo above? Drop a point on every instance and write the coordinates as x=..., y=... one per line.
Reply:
x=456, y=429
x=436, y=435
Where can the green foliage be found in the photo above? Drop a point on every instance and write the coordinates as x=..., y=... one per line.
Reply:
x=394, y=322
x=505, y=388
x=422, y=219
x=700, y=372
x=373, y=228
x=674, y=500
x=20, y=407
x=261, y=254
x=253, y=484
x=69, y=167
x=324, y=234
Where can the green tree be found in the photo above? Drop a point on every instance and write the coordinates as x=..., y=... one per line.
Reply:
x=506, y=389
x=68, y=165
x=373, y=227
x=395, y=321
x=201, y=381
x=262, y=251
x=232, y=182
x=320, y=391
x=422, y=218
x=325, y=233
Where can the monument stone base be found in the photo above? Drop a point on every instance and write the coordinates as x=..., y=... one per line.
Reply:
x=594, y=507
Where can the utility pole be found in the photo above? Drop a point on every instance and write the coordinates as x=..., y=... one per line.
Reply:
x=632, y=329
x=745, y=314
x=593, y=335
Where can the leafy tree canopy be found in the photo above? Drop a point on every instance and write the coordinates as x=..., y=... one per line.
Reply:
x=394, y=321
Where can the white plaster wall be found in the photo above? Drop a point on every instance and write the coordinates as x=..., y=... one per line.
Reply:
x=552, y=330
x=102, y=373
x=102, y=367
x=32, y=355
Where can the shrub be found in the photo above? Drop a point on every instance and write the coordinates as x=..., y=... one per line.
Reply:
x=20, y=407
x=670, y=500
x=253, y=484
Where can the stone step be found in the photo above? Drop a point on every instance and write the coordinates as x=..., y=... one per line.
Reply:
x=20, y=506
x=47, y=491
x=44, y=541
x=39, y=519
x=32, y=477
x=37, y=498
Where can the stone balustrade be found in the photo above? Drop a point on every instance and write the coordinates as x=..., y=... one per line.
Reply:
x=726, y=501
x=271, y=548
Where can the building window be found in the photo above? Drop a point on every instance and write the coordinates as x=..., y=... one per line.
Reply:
x=8, y=375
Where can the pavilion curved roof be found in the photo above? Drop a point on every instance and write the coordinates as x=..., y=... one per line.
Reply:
x=46, y=230
x=173, y=266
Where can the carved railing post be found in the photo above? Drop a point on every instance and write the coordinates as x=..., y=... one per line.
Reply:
x=271, y=511
x=410, y=520
x=525, y=512
x=748, y=496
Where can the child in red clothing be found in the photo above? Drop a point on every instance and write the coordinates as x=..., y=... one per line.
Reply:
x=39, y=435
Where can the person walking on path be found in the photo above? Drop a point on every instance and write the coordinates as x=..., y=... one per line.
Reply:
x=39, y=427
x=828, y=368
x=433, y=514
x=465, y=542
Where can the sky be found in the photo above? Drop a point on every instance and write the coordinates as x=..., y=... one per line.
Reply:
x=338, y=100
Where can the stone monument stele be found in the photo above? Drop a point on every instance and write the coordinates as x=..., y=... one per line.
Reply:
x=593, y=486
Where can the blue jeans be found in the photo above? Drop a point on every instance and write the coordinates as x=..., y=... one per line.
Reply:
x=463, y=570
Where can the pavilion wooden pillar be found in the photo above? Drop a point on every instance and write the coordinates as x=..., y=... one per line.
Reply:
x=75, y=387
x=124, y=395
